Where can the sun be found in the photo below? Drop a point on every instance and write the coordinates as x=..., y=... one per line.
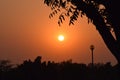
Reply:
x=61, y=38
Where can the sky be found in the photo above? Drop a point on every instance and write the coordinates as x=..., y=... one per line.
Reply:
x=26, y=31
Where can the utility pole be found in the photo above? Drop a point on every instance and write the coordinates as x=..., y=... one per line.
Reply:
x=92, y=49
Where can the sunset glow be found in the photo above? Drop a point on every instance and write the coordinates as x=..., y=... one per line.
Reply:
x=26, y=31
x=61, y=38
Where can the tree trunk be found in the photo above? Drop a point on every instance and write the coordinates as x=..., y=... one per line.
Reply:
x=110, y=41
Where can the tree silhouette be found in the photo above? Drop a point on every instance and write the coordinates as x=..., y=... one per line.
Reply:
x=50, y=70
x=5, y=65
x=102, y=13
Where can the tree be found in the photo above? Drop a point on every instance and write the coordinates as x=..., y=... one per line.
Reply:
x=5, y=65
x=103, y=14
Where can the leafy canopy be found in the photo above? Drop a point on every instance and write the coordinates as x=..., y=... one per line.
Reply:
x=74, y=8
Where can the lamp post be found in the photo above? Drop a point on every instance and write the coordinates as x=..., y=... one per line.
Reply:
x=92, y=48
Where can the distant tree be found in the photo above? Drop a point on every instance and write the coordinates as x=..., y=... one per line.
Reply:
x=38, y=59
x=5, y=65
x=104, y=14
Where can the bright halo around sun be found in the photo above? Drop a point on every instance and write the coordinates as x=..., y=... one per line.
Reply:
x=61, y=38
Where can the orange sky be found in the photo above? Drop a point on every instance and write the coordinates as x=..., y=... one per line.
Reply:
x=26, y=32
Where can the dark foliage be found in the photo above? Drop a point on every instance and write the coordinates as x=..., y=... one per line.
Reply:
x=37, y=70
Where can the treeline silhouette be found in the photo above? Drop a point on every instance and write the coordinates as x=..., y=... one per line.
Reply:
x=66, y=70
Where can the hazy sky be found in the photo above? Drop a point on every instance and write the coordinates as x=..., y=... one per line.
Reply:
x=27, y=32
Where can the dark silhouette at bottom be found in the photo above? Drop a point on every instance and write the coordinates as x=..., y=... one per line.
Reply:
x=66, y=70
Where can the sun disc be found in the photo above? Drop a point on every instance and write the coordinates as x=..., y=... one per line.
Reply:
x=61, y=38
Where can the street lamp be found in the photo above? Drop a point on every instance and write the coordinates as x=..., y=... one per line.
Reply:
x=92, y=48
